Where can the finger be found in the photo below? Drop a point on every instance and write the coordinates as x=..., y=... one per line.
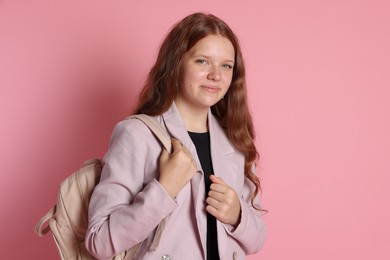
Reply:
x=176, y=145
x=216, y=179
x=214, y=203
x=164, y=156
x=217, y=196
x=189, y=154
x=218, y=187
x=213, y=211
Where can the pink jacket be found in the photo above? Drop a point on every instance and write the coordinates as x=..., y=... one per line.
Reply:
x=128, y=203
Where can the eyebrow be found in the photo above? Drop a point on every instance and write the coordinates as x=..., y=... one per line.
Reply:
x=208, y=57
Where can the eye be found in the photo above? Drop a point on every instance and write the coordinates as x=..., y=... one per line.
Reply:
x=201, y=61
x=227, y=66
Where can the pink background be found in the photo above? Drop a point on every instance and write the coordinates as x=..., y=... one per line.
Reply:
x=319, y=87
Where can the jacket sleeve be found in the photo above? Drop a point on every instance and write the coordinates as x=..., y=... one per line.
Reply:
x=125, y=207
x=251, y=231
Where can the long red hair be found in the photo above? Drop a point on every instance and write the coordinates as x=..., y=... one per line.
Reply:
x=232, y=111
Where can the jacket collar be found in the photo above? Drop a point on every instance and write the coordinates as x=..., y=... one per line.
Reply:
x=219, y=142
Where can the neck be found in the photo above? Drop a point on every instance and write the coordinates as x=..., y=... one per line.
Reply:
x=195, y=120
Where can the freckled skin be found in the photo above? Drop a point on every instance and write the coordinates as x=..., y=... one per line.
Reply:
x=207, y=73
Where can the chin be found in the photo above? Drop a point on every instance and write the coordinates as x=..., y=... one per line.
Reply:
x=210, y=103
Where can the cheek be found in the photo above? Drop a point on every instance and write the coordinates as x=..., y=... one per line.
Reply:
x=228, y=79
x=191, y=77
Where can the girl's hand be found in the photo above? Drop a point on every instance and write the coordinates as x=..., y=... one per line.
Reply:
x=223, y=202
x=176, y=169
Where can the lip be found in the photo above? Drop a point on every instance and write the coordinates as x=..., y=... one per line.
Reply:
x=210, y=88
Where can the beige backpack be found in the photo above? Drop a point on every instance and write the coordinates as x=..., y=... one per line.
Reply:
x=68, y=218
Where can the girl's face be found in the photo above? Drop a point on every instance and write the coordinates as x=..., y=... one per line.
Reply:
x=206, y=73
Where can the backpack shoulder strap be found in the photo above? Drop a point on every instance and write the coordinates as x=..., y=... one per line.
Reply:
x=157, y=130
x=39, y=229
x=165, y=140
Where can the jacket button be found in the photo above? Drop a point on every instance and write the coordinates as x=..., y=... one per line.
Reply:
x=235, y=256
x=165, y=257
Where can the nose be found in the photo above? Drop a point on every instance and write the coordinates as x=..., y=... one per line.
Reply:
x=214, y=74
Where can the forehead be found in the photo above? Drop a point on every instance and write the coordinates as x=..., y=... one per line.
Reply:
x=213, y=45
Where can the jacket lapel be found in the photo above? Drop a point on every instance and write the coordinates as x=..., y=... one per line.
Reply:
x=221, y=150
x=176, y=128
x=223, y=161
x=225, y=165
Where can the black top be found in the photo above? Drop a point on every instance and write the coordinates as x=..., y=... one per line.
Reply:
x=202, y=144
